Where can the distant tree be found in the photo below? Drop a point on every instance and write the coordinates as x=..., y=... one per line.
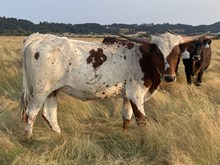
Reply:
x=13, y=26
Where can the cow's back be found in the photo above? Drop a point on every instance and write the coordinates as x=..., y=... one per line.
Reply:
x=89, y=70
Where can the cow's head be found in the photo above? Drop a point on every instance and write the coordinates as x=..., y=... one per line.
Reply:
x=193, y=49
x=168, y=47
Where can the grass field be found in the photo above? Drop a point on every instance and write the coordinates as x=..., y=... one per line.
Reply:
x=183, y=123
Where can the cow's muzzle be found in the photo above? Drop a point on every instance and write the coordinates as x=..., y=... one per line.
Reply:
x=196, y=57
x=169, y=78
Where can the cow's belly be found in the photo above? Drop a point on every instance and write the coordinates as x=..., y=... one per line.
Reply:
x=90, y=93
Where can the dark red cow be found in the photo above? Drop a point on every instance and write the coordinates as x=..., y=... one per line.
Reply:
x=196, y=57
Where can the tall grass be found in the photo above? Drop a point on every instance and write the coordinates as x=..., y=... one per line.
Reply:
x=183, y=123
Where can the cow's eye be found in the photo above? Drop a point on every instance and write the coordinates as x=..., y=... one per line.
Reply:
x=159, y=55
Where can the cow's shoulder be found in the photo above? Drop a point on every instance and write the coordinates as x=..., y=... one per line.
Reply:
x=37, y=37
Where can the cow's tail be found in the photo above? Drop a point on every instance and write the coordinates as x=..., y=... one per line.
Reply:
x=25, y=90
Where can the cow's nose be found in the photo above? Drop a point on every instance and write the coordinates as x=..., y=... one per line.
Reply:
x=170, y=78
x=196, y=57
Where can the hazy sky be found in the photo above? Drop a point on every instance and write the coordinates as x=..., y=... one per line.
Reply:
x=193, y=12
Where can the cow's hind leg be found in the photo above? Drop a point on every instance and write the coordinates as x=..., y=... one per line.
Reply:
x=126, y=113
x=49, y=112
x=34, y=105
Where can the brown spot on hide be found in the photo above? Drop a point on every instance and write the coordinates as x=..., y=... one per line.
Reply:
x=130, y=45
x=113, y=40
x=151, y=63
x=138, y=115
x=96, y=58
x=109, y=40
x=36, y=55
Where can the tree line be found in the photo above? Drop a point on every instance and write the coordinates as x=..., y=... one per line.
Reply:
x=14, y=26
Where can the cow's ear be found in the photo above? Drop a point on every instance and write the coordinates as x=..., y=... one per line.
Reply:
x=207, y=41
x=189, y=47
x=182, y=47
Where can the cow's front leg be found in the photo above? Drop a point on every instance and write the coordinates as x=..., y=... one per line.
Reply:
x=126, y=113
x=49, y=112
x=188, y=76
x=139, y=113
x=199, y=78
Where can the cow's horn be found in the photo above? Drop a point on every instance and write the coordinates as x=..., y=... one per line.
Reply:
x=187, y=39
x=213, y=36
x=145, y=35
x=143, y=40
x=172, y=32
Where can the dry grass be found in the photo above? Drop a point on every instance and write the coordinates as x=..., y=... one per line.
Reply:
x=183, y=123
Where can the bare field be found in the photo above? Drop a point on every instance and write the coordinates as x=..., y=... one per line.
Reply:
x=183, y=123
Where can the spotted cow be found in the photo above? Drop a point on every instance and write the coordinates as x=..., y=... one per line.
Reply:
x=92, y=70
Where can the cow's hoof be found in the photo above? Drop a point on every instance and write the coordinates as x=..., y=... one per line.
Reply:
x=189, y=83
x=126, y=122
x=28, y=131
x=125, y=130
x=56, y=128
x=142, y=123
x=28, y=134
x=198, y=83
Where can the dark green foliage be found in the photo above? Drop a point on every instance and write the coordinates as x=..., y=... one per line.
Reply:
x=13, y=26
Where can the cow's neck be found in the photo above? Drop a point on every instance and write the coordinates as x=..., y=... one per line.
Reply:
x=152, y=76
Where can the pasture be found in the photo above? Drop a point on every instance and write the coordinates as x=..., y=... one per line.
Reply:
x=183, y=123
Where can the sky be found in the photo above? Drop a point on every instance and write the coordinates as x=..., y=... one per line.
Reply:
x=191, y=12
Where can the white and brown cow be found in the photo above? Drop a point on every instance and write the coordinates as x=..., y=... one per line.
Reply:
x=92, y=70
